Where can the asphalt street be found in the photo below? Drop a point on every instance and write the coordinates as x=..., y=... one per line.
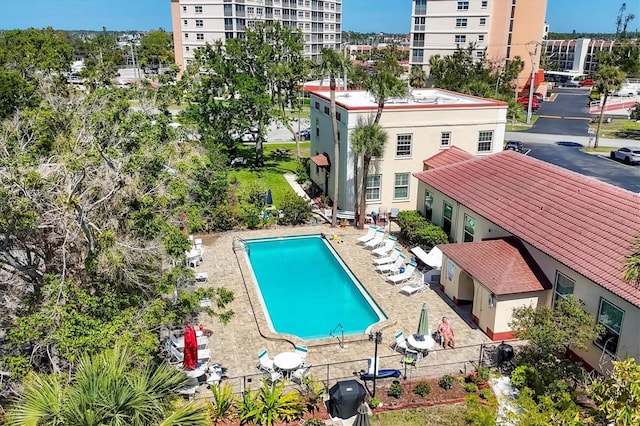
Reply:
x=566, y=114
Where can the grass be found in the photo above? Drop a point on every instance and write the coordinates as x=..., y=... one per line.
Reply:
x=448, y=414
x=277, y=161
x=603, y=149
x=520, y=125
x=619, y=128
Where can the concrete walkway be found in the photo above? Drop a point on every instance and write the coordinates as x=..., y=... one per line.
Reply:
x=552, y=139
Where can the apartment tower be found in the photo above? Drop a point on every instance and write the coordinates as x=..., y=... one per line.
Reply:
x=197, y=22
x=503, y=29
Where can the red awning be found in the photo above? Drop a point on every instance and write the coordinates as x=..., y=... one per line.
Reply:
x=321, y=160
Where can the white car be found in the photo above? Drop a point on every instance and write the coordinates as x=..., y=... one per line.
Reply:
x=626, y=90
x=629, y=155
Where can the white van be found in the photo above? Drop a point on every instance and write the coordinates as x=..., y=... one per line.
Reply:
x=626, y=90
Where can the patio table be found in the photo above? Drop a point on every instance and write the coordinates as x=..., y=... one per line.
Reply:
x=287, y=361
x=422, y=345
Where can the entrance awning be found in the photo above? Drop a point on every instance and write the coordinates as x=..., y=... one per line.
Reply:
x=321, y=160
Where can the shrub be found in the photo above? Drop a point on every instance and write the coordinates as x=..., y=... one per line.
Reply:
x=446, y=382
x=222, y=401
x=295, y=210
x=470, y=387
x=483, y=373
x=302, y=171
x=417, y=230
x=486, y=394
x=222, y=218
x=314, y=422
x=395, y=390
x=422, y=389
x=374, y=402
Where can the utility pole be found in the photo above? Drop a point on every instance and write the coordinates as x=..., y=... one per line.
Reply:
x=533, y=72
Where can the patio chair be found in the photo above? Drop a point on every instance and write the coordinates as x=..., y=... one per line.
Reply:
x=392, y=268
x=371, y=232
x=400, y=344
x=395, y=253
x=393, y=214
x=433, y=259
x=265, y=362
x=177, y=340
x=272, y=376
x=302, y=352
x=402, y=276
x=197, y=243
x=204, y=355
x=382, y=214
x=384, y=250
x=299, y=374
x=375, y=241
x=415, y=285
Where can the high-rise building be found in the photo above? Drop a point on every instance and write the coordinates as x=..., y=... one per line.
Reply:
x=197, y=22
x=503, y=29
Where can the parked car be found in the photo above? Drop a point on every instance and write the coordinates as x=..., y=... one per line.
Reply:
x=305, y=134
x=625, y=91
x=629, y=155
x=516, y=146
x=524, y=101
x=587, y=83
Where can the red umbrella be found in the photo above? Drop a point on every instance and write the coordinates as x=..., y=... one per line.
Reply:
x=190, y=348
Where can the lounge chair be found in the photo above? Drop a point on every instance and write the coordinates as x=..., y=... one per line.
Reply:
x=415, y=285
x=204, y=355
x=400, y=344
x=178, y=340
x=265, y=362
x=402, y=276
x=371, y=232
x=376, y=240
x=384, y=250
x=392, y=268
x=433, y=259
x=390, y=258
x=302, y=352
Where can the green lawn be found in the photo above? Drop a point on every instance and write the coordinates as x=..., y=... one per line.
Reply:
x=520, y=125
x=619, y=128
x=450, y=415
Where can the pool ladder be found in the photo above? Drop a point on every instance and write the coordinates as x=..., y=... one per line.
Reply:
x=341, y=337
x=238, y=244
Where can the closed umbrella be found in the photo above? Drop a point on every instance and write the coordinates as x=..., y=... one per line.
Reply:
x=269, y=199
x=423, y=324
x=362, y=418
x=190, y=350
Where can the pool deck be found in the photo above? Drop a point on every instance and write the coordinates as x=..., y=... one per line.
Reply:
x=235, y=346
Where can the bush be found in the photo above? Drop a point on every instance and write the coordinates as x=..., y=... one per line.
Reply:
x=422, y=389
x=222, y=218
x=395, y=390
x=470, y=387
x=374, y=402
x=295, y=210
x=446, y=382
x=417, y=230
x=302, y=171
x=634, y=114
x=486, y=394
x=483, y=373
x=314, y=422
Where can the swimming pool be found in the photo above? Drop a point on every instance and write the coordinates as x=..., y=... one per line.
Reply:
x=307, y=290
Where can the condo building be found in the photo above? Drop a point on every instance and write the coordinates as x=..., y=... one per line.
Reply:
x=197, y=22
x=499, y=29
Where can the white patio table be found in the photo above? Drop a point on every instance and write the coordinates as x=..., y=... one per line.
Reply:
x=287, y=361
x=422, y=345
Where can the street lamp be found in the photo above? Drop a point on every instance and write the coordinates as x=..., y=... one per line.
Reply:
x=377, y=338
x=533, y=71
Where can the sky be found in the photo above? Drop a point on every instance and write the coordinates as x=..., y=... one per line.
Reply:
x=389, y=16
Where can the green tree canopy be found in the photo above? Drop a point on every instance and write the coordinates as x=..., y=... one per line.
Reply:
x=617, y=395
x=156, y=48
x=28, y=51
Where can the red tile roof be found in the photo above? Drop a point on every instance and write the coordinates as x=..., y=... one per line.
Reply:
x=448, y=156
x=587, y=225
x=320, y=160
x=503, y=266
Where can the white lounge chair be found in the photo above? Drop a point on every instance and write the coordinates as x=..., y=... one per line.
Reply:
x=414, y=285
x=402, y=276
x=178, y=340
x=204, y=355
x=384, y=250
x=390, y=258
x=371, y=232
x=392, y=268
x=433, y=259
x=265, y=362
x=401, y=343
x=376, y=240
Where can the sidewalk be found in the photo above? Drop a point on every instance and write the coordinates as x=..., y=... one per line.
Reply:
x=585, y=140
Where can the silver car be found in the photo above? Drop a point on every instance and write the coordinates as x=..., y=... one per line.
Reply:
x=629, y=155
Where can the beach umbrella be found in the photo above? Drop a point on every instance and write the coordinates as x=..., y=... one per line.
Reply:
x=269, y=199
x=362, y=418
x=423, y=324
x=190, y=350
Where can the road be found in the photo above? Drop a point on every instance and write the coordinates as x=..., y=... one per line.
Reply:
x=566, y=114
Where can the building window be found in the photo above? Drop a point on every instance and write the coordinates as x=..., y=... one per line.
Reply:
x=403, y=146
x=317, y=105
x=484, y=141
x=401, y=186
x=198, y=9
x=480, y=54
x=326, y=110
x=480, y=38
x=563, y=288
x=199, y=23
x=185, y=22
x=186, y=48
x=609, y=316
x=373, y=187
x=483, y=4
x=450, y=269
x=428, y=205
x=199, y=36
x=461, y=22
x=463, y=5
x=469, y=228
x=184, y=8
x=460, y=38
x=483, y=21
x=338, y=116
x=318, y=131
x=186, y=35
x=447, y=216
x=445, y=138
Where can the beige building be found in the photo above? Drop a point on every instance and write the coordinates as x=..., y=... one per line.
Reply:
x=505, y=28
x=197, y=22
x=527, y=233
x=424, y=123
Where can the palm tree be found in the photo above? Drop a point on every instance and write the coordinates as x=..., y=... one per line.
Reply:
x=107, y=389
x=382, y=85
x=632, y=266
x=334, y=64
x=417, y=78
x=608, y=78
x=367, y=141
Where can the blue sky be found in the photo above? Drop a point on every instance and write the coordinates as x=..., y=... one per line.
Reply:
x=391, y=16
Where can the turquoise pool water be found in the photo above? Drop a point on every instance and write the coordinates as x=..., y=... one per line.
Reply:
x=307, y=290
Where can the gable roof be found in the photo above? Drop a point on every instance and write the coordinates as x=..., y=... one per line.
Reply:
x=446, y=157
x=503, y=265
x=587, y=225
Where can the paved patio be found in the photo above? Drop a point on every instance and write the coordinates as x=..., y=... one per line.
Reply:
x=235, y=346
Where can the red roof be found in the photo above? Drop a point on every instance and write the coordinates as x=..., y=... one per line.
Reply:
x=320, y=160
x=503, y=266
x=446, y=157
x=587, y=225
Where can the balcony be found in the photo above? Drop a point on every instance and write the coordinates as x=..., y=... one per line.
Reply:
x=420, y=11
x=420, y=28
x=418, y=43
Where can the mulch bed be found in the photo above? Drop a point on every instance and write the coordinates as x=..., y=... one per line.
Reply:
x=408, y=399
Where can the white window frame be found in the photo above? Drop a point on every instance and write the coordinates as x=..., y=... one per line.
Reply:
x=484, y=4
x=445, y=139
x=483, y=22
x=562, y=277
x=472, y=234
x=445, y=218
x=461, y=22
x=198, y=9
x=601, y=342
x=463, y=5
x=200, y=36
x=199, y=23
x=460, y=38
x=484, y=137
x=373, y=190
x=403, y=141
x=401, y=186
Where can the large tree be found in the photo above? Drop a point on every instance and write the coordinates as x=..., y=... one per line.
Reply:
x=156, y=48
x=367, y=141
x=385, y=83
x=608, y=78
